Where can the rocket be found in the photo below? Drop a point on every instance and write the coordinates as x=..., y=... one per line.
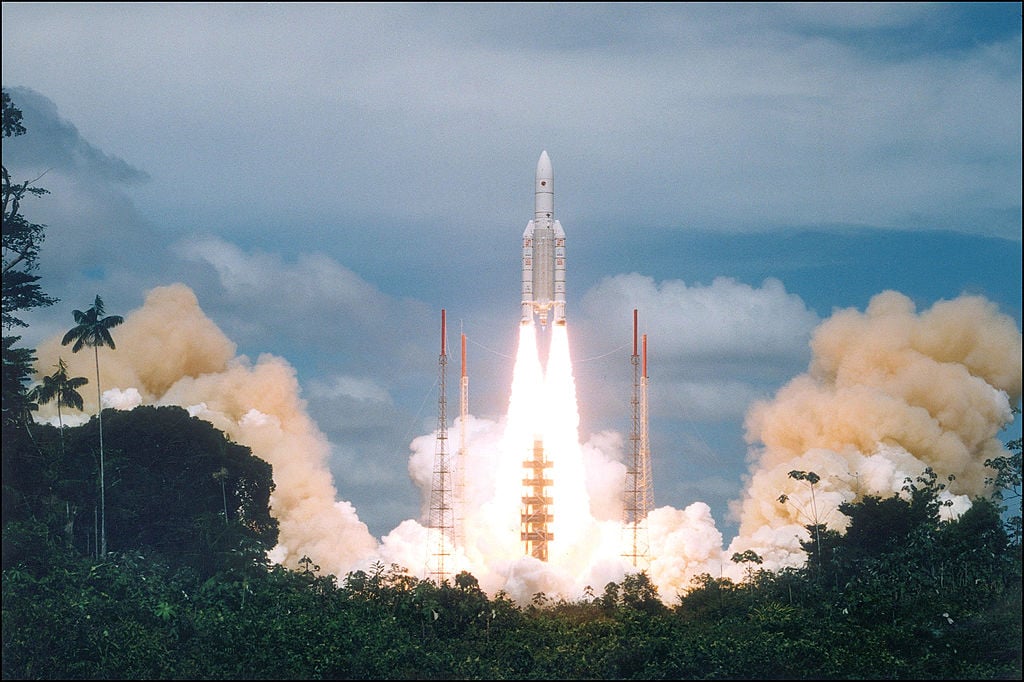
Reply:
x=544, y=253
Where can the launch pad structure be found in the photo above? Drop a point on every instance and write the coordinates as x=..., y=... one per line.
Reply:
x=460, y=460
x=639, y=495
x=441, y=524
x=535, y=515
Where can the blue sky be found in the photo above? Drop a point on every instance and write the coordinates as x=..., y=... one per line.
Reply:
x=749, y=168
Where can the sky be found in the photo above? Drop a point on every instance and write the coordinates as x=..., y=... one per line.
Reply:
x=325, y=179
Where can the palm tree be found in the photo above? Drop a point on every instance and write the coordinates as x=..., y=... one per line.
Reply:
x=62, y=388
x=93, y=329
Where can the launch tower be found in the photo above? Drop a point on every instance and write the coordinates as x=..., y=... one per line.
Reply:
x=460, y=464
x=639, y=489
x=441, y=525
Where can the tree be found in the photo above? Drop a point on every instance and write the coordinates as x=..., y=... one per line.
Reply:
x=815, y=526
x=20, y=291
x=171, y=497
x=219, y=476
x=20, y=288
x=1006, y=484
x=21, y=238
x=93, y=329
x=748, y=557
x=17, y=372
x=639, y=593
x=62, y=388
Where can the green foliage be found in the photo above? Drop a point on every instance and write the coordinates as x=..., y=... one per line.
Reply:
x=12, y=124
x=167, y=494
x=61, y=388
x=938, y=606
x=19, y=287
x=21, y=238
x=1006, y=484
x=92, y=328
x=17, y=372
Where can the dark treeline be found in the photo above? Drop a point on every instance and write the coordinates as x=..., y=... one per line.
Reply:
x=135, y=547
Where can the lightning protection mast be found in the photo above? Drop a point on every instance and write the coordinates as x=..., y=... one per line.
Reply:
x=442, y=521
x=460, y=464
x=639, y=493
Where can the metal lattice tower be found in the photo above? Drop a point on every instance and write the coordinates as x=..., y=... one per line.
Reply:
x=442, y=519
x=535, y=516
x=460, y=465
x=639, y=497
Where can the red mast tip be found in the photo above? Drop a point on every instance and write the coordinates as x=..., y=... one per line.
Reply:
x=443, y=345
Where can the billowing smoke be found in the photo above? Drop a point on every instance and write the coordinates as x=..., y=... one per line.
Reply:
x=169, y=353
x=889, y=393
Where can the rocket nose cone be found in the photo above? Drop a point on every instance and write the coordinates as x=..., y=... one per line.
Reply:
x=544, y=166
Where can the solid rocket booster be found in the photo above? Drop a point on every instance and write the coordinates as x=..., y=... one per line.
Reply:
x=544, y=253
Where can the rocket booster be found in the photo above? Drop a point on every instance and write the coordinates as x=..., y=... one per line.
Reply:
x=544, y=253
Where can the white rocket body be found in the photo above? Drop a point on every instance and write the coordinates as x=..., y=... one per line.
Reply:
x=544, y=253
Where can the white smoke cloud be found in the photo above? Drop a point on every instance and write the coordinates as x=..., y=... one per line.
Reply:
x=684, y=544
x=889, y=392
x=605, y=470
x=127, y=399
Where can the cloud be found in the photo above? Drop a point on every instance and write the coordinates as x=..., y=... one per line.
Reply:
x=294, y=296
x=889, y=392
x=723, y=118
x=349, y=387
x=52, y=143
x=368, y=358
x=724, y=320
x=712, y=349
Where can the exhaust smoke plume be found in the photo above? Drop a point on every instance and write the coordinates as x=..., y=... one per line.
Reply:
x=889, y=392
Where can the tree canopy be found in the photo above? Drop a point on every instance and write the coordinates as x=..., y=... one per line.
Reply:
x=925, y=599
x=21, y=237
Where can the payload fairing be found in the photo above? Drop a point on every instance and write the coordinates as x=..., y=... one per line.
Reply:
x=544, y=253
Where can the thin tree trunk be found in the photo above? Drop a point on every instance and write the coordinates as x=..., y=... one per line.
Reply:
x=69, y=527
x=60, y=422
x=103, y=491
